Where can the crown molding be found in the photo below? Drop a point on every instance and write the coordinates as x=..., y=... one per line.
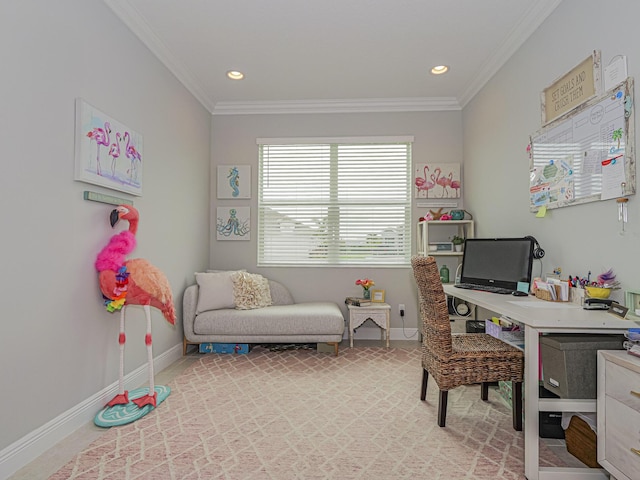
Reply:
x=534, y=17
x=365, y=105
x=135, y=22
x=537, y=13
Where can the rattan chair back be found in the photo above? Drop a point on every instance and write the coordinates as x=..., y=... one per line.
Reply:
x=436, y=326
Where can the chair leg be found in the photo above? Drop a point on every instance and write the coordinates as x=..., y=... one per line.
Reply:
x=484, y=391
x=425, y=379
x=442, y=407
x=516, y=389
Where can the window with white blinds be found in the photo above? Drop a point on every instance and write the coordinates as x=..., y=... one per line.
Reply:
x=334, y=201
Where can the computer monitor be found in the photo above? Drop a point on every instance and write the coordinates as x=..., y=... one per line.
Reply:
x=497, y=262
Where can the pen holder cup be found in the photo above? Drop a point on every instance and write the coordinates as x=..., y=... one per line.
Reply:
x=577, y=295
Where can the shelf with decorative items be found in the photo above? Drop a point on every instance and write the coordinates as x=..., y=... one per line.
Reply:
x=440, y=238
x=443, y=242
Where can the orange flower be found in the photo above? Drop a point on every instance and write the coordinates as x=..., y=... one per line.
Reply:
x=365, y=283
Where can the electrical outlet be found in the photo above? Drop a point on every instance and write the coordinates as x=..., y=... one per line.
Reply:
x=400, y=307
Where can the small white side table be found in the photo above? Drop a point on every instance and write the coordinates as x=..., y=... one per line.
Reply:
x=378, y=312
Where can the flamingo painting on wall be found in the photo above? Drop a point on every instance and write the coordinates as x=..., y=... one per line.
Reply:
x=437, y=180
x=108, y=153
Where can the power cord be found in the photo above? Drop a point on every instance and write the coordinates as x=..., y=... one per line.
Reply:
x=403, y=326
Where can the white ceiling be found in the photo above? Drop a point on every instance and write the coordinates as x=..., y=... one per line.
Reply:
x=332, y=55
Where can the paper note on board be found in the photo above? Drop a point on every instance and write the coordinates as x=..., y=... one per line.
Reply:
x=612, y=178
x=542, y=211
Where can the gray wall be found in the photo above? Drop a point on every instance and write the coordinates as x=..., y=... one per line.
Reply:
x=437, y=139
x=58, y=345
x=497, y=125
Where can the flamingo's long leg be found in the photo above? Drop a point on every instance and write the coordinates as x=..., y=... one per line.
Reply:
x=122, y=398
x=150, y=398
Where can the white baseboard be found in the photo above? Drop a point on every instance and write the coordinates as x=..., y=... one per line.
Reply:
x=34, y=444
x=374, y=334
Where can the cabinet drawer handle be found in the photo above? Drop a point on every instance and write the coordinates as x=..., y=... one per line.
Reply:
x=636, y=451
x=637, y=394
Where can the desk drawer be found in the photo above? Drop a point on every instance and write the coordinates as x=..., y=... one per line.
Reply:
x=621, y=382
x=622, y=434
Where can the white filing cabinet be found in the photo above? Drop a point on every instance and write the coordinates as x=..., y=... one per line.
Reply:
x=619, y=414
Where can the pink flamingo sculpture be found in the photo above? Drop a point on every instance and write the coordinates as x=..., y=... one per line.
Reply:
x=133, y=155
x=101, y=137
x=423, y=183
x=132, y=282
x=114, y=153
x=455, y=184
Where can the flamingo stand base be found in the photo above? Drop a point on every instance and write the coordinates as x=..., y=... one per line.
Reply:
x=123, y=414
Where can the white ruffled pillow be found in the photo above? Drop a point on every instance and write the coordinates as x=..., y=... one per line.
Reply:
x=250, y=290
x=215, y=291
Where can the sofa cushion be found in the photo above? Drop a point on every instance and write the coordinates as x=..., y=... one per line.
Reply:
x=215, y=291
x=300, y=319
x=250, y=290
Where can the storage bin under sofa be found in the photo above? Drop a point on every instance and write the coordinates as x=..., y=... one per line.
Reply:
x=282, y=322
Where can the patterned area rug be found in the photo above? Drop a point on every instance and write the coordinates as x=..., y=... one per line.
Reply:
x=300, y=414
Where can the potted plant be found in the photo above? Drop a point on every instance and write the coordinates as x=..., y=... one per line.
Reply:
x=457, y=243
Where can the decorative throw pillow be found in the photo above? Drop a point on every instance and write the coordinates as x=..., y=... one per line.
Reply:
x=215, y=291
x=250, y=290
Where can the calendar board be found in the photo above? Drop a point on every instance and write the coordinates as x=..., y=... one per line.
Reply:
x=586, y=155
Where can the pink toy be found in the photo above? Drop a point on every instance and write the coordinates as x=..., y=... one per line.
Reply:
x=132, y=282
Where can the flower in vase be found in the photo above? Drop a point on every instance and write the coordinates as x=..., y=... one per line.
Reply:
x=365, y=283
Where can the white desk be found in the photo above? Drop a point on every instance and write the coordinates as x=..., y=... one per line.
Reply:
x=539, y=316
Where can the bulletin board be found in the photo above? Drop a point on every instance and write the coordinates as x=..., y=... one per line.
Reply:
x=587, y=155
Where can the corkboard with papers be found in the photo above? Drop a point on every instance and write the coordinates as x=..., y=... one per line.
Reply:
x=586, y=155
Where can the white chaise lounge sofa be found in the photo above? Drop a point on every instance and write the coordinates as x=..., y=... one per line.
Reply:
x=210, y=316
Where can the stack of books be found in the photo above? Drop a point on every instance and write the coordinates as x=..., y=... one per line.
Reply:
x=357, y=301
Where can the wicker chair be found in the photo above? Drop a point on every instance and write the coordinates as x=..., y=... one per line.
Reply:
x=460, y=359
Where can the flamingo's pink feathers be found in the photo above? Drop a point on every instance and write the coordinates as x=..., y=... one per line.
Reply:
x=113, y=255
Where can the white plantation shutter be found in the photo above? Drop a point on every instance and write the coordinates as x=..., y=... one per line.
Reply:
x=334, y=201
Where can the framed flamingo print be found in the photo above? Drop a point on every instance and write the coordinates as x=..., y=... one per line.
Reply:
x=437, y=180
x=107, y=152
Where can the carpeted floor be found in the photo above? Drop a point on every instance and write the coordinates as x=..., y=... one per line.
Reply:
x=301, y=414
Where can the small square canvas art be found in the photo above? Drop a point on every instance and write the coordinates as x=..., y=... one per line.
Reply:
x=234, y=181
x=233, y=223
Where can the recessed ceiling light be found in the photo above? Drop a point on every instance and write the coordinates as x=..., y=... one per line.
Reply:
x=439, y=70
x=235, y=75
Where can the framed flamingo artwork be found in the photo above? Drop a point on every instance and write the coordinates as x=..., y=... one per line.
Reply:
x=437, y=180
x=107, y=152
x=233, y=223
x=234, y=181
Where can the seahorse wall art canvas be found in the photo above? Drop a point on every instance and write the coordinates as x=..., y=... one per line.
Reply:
x=233, y=223
x=108, y=153
x=234, y=181
x=437, y=180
